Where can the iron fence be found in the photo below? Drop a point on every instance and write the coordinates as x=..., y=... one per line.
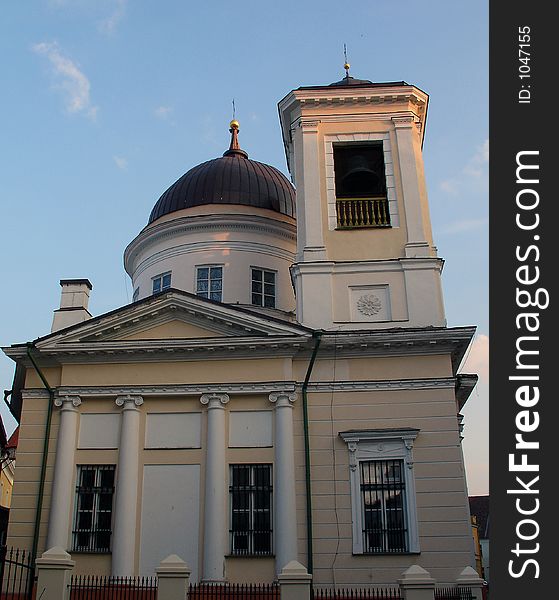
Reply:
x=453, y=593
x=17, y=574
x=93, y=587
x=233, y=591
x=356, y=594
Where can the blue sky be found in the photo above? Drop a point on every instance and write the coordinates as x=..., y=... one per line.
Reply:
x=105, y=103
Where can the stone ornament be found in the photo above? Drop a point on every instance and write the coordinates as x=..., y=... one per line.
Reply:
x=137, y=400
x=369, y=305
x=65, y=400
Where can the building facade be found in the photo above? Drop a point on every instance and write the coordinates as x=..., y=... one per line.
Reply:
x=283, y=386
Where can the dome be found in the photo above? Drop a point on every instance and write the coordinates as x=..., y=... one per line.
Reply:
x=231, y=179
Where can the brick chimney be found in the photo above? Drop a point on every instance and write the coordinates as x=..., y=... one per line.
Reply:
x=73, y=303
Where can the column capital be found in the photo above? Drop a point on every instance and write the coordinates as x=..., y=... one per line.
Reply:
x=214, y=400
x=403, y=122
x=128, y=400
x=282, y=398
x=67, y=402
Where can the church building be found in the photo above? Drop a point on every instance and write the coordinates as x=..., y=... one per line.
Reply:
x=283, y=386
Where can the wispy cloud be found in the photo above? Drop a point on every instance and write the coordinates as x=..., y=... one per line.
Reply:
x=69, y=79
x=121, y=162
x=475, y=168
x=109, y=25
x=163, y=112
x=464, y=225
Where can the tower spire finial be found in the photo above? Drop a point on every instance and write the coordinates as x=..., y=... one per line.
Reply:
x=346, y=64
x=234, y=147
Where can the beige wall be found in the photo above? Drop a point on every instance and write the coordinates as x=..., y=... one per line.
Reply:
x=444, y=531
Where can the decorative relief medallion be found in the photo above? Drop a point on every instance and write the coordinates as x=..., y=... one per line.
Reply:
x=369, y=305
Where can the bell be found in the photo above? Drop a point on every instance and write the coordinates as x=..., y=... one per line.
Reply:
x=359, y=177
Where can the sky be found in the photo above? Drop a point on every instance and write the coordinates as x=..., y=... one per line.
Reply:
x=105, y=103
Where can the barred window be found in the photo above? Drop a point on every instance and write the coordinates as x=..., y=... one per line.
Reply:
x=161, y=282
x=209, y=282
x=383, y=504
x=251, y=509
x=94, y=507
x=263, y=288
x=383, y=498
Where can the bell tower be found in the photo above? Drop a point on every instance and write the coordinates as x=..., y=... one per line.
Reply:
x=365, y=253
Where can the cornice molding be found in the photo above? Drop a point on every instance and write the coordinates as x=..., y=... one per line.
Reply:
x=383, y=386
x=179, y=390
x=204, y=223
x=273, y=389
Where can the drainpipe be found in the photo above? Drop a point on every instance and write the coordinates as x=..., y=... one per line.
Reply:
x=45, y=454
x=317, y=336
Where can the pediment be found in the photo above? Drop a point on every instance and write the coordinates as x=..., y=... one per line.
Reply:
x=173, y=315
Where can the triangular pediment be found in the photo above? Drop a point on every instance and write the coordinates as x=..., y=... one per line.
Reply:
x=174, y=329
x=173, y=315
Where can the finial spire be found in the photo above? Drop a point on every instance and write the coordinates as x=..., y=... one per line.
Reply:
x=234, y=147
x=346, y=64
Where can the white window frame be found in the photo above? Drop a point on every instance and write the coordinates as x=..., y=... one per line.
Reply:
x=359, y=138
x=198, y=267
x=161, y=276
x=381, y=444
x=275, y=284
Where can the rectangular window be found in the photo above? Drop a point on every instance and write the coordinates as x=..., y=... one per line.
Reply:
x=383, y=505
x=136, y=294
x=209, y=282
x=161, y=282
x=263, y=288
x=94, y=508
x=250, y=493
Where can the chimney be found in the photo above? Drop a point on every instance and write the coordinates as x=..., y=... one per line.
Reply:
x=73, y=303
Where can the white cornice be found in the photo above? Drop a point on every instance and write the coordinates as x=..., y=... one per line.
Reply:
x=268, y=388
x=179, y=390
x=384, y=385
x=204, y=223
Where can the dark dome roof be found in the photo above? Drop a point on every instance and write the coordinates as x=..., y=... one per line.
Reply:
x=232, y=179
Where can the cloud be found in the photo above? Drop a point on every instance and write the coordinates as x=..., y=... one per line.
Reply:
x=163, y=112
x=464, y=225
x=72, y=82
x=475, y=168
x=478, y=358
x=121, y=162
x=109, y=25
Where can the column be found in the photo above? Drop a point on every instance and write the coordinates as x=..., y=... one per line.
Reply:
x=215, y=515
x=124, y=538
x=64, y=466
x=285, y=520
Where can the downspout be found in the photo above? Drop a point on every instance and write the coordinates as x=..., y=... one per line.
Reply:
x=317, y=336
x=45, y=454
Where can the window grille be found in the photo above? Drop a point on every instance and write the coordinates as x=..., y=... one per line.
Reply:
x=209, y=282
x=94, y=507
x=383, y=504
x=263, y=288
x=251, y=510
